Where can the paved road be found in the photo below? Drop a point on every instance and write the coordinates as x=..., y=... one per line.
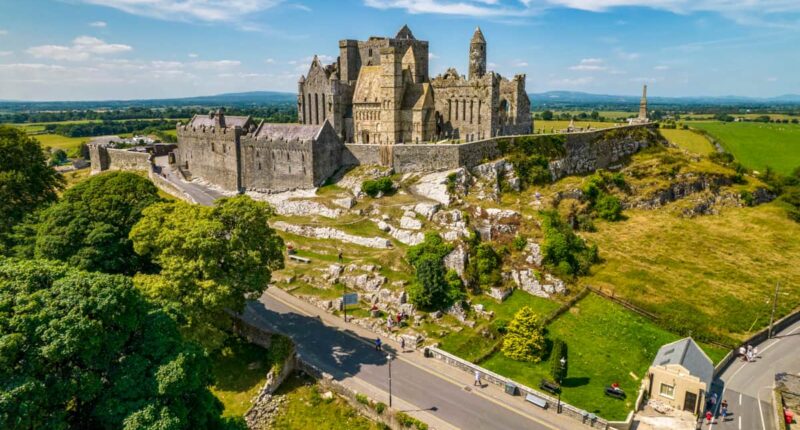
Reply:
x=344, y=356
x=200, y=194
x=748, y=386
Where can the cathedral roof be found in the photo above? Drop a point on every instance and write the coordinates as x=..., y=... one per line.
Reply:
x=288, y=132
x=478, y=36
x=368, y=88
x=211, y=120
x=404, y=33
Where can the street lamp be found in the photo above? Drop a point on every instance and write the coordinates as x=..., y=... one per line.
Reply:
x=563, y=362
x=389, y=359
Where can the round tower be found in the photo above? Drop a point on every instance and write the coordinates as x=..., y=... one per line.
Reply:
x=477, y=55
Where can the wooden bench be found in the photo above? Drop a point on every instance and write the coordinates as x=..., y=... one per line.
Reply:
x=617, y=394
x=536, y=400
x=550, y=386
x=299, y=258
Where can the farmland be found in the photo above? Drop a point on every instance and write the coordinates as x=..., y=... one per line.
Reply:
x=689, y=140
x=758, y=145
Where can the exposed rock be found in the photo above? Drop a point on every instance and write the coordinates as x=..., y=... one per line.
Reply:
x=457, y=260
x=345, y=202
x=335, y=270
x=410, y=223
x=499, y=293
x=528, y=281
x=426, y=209
x=434, y=186
x=407, y=237
x=331, y=233
x=457, y=311
x=364, y=282
x=534, y=253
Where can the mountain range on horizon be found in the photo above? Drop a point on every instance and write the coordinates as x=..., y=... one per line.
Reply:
x=538, y=100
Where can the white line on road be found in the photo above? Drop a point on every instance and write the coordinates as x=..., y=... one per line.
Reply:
x=740, y=422
x=760, y=411
x=740, y=401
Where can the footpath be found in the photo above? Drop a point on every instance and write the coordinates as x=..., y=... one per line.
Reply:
x=428, y=389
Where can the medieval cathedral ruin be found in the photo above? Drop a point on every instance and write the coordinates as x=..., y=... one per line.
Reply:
x=379, y=91
x=375, y=105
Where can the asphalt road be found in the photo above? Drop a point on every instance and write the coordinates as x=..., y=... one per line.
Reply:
x=342, y=356
x=200, y=194
x=748, y=386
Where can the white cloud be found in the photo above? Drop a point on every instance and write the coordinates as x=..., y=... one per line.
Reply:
x=572, y=82
x=772, y=79
x=661, y=67
x=432, y=56
x=5, y=53
x=98, y=24
x=519, y=63
x=188, y=10
x=590, y=65
x=3, y=32
x=216, y=65
x=630, y=56
x=82, y=48
x=192, y=55
x=270, y=61
x=742, y=11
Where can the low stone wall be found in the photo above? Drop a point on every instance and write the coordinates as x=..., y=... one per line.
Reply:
x=584, y=417
x=122, y=159
x=169, y=188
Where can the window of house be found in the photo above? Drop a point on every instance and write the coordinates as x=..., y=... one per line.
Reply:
x=212, y=147
x=667, y=391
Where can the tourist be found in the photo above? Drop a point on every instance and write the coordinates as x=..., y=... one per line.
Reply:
x=742, y=353
x=724, y=411
x=403, y=344
x=340, y=256
x=477, y=379
x=755, y=352
x=378, y=346
x=709, y=416
x=389, y=321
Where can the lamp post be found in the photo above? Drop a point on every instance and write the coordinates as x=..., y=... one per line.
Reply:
x=389, y=359
x=563, y=363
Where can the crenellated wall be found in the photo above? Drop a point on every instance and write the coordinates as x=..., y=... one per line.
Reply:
x=103, y=158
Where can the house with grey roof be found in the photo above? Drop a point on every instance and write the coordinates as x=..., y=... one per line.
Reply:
x=681, y=375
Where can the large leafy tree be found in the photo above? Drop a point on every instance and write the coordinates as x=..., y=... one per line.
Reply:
x=524, y=340
x=26, y=179
x=211, y=260
x=89, y=226
x=433, y=288
x=85, y=350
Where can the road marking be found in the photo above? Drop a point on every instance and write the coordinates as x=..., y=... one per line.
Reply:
x=442, y=376
x=740, y=422
x=740, y=401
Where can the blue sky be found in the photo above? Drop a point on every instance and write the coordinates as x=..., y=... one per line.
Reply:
x=125, y=49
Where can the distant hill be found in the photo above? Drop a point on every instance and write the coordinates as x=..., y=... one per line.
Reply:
x=563, y=98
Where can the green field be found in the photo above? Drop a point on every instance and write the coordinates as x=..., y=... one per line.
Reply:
x=688, y=140
x=606, y=344
x=68, y=144
x=758, y=145
x=713, y=273
x=541, y=126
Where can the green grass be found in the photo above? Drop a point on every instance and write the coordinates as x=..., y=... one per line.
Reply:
x=68, y=144
x=542, y=126
x=758, y=145
x=306, y=409
x=471, y=345
x=240, y=370
x=689, y=140
x=607, y=343
x=711, y=274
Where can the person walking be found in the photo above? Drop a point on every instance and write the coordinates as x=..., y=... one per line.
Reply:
x=378, y=346
x=709, y=416
x=340, y=256
x=403, y=344
x=477, y=379
x=724, y=410
x=742, y=353
x=755, y=352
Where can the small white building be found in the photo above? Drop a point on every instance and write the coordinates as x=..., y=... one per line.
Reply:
x=681, y=376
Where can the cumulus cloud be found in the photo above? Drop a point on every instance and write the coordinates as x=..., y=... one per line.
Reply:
x=82, y=48
x=98, y=24
x=590, y=65
x=182, y=10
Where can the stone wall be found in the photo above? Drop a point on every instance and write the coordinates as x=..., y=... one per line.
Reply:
x=104, y=158
x=210, y=153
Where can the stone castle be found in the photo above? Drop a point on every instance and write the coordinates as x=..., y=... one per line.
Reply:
x=379, y=91
x=366, y=108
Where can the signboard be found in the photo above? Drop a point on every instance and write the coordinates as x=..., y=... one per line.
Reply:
x=350, y=299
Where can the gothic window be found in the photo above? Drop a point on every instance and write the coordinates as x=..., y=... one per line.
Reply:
x=212, y=147
x=369, y=52
x=470, y=111
x=259, y=165
x=224, y=149
x=456, y=110
x=316, y=108
x=257, y=154
x=449, y=109
x=479, y=111
x=324, y=111
x=287, y=156
x=310, y=119
x=302, y=158
x=463, y=110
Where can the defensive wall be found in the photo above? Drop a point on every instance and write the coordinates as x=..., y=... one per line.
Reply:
x=584, y=151
x=105, y=158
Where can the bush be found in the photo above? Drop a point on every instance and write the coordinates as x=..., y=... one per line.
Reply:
x=380, y=407
x=499, y=325
x=608, y=207
x=373, y=187
x=563, y=251
x=363, y=399
x=557, y=371
x=519, y=242
x=406, y=420
x=524, y=340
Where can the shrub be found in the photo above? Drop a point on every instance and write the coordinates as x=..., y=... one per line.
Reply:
x=451, y=183
x=380, y=407
x=361, y=398
x=519, y=242
x=608, y=207
x=499, y=325
x=563, y=251
x=524, y=340
x=373, y=187
x=433, y=288
x=747, y=197
x=559, y=351
x=406, y=420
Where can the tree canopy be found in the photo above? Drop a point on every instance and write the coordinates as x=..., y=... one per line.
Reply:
x=26, y=179
x=210, y=258
x=433, y=288
x=524, y=340
x=85, y=350
x=88, y=228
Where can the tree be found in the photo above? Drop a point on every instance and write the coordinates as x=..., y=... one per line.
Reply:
x=557, y=370
x=27, y=182
x=608, y=207
x=58, y=157
x=211, y=260
x=374, y=187
x=85, y=350
x=89, y=226
x=524, y=339
x=564, y=251
x=547, y=115
x=433, y=288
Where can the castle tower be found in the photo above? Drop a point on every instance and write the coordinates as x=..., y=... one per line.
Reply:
x=477, y=55
x=643, y=105
x=391, y=95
